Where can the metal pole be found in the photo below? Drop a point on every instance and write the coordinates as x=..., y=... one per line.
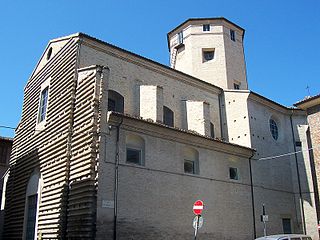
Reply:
x=197, y=226
x=264, y=221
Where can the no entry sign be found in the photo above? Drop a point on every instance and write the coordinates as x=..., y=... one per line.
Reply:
x=198, y=207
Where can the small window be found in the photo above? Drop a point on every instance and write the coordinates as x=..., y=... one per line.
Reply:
x=190, y=160
x=43, y=104
x=298, y=144
x=286, y=225
x=180, y=37
x=206, y=27
x=274, y=129
x=168, y=116
x=134, y=156
x=233, y=173
x=236, y=86
x=115, y=101
x=232, y=35
x=49, y=53
x=211, y=130
x=207, y=55
x=3, y=154
x=189, y=166
x=135, y=149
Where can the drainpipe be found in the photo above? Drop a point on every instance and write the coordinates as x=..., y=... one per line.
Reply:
x=116, y=180
x=304, y=231
x=252, y=197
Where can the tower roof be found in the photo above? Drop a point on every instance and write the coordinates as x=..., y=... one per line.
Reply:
x=193, y=20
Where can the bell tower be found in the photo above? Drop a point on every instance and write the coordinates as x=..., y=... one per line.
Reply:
x=210, y=49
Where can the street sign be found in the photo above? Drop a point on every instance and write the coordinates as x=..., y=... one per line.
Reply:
x=198, y=207
x=195, y=222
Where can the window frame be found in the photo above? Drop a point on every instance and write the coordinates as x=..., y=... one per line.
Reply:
x=194, y=167
x=232, y=35
x=206, y=27
x=43, y=104
x=180, y=37
x=274, y=129
x=236, y=86
x=139, y=150
x=40, y=125
x=237, y=176
x=168, y=116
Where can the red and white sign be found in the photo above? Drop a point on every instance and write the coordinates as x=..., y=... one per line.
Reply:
x=198, y=207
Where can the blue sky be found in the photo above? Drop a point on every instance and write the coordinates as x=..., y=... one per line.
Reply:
x=281, y=40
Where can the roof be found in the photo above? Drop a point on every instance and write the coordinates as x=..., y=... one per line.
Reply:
x=308, y=102
x=9, y=139
x=194, y=133
x=203, y=19
x=80, y=34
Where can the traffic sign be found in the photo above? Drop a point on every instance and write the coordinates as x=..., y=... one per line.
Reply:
x=196, y=221
x=198, y=207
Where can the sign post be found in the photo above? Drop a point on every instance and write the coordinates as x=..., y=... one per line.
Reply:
x=264, y=219
x=198, y=220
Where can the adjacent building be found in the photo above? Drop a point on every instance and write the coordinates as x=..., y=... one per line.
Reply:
x=112, y=145
x=5, y=150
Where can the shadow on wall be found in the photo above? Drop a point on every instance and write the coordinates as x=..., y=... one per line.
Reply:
x=27, y=196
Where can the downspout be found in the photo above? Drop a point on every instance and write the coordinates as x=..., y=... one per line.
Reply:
x=252, y=197
x=116, y=180
x=304, y=231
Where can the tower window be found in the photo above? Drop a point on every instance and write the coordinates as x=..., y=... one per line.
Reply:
x=232, y=35
x=206, y=27
x=180, y=37
x=208, y=55
x=236, y=86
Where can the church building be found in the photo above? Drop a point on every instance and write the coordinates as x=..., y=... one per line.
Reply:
x=112, y=145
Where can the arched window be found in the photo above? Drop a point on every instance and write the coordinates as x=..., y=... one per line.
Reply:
x=135, y=149
x=274, y=129
x=32, y=205
x=191, y=160
x=168, y=116
x=115, y=101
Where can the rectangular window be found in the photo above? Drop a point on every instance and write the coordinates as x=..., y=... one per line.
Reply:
x=31, y=216
x=168, y=116
x=233, y=173
x=189, y=166
x=43, y=104
x=3, y=154
x=180, y=37
x=207, y=55
x=111, y=105
x=134, y=156
x=286, y=225
x=236, y=86
x=206, y=27
x=211, y=130
x=298, y=144
x=232, y=35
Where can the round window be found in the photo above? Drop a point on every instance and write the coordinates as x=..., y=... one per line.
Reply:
x=274, y=129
